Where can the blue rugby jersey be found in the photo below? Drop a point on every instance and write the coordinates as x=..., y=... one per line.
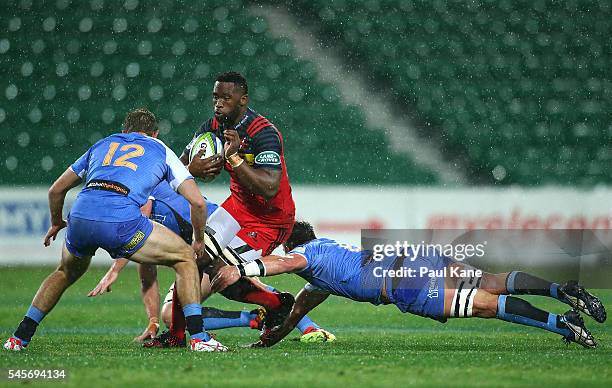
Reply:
x=343, y=270
x=174, y=202
x=120, y=172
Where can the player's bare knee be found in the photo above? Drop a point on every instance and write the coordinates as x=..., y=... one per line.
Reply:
x=184, y=266
x=187, y=253
x=184, y=254
x=485, y=305
x=70, y=273
x=166, y=314
x=494, y=283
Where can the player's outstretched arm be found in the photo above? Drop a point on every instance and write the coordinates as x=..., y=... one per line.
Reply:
x=266, y=266
x=57, y=195
x=109, y=278
x=149, y=288
x=305, y=302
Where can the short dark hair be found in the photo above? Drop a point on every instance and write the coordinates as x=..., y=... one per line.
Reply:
x=301, y=234
x=236, y=78
x=140, y=120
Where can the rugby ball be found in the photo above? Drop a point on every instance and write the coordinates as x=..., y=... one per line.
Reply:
x=208, y=142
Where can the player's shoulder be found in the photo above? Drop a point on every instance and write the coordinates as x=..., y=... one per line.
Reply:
x=318, y=243
x=257, y=125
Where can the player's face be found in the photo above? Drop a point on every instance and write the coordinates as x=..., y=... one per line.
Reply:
x=228, y=102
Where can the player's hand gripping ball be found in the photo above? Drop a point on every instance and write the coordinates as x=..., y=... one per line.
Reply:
x=206, y=145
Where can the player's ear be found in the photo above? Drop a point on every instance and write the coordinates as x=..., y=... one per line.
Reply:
x=244, y=100
x=155, y=134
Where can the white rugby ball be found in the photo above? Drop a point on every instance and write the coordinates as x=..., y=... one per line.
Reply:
x=208, y=142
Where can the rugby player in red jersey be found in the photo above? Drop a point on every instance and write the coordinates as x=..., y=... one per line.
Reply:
x=260, y=198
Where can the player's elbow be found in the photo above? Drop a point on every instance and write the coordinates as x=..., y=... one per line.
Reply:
x=292, y=265
x=270, y=191
x=198, y=203
x=55, y=190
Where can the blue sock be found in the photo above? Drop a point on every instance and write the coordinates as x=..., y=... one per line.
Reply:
x=214, y=319
x=306, y=323
x=193, y=318
x=204, y=336
x=516, y=310
x=35, y=314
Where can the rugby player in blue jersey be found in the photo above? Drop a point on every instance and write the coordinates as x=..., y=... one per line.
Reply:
x=172, y=210
x=338, y=269
x=119, y=173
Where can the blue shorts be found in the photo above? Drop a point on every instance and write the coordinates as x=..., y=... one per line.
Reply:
x=211, y=207
x=421, y=295
x=119, y=239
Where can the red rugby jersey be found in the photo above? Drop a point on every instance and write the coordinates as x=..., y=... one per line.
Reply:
x=261, y=146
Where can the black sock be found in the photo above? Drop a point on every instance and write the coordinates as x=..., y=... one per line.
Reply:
x=211, y=312
x=517, y=306
x=521, y=283
x=26, y=329
x=516, y=310
x=194, y=324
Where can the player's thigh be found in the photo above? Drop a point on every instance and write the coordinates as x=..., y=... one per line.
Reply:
x=72, y=265
x=163, y=247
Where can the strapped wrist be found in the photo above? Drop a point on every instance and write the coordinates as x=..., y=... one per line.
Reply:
x=235, y=160
x=252, y=268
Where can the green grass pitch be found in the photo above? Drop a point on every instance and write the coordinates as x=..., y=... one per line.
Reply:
x=377, y=346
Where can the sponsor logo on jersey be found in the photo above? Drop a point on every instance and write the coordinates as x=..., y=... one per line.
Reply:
x=138, y=237
x=101, y=184
x=267, y=157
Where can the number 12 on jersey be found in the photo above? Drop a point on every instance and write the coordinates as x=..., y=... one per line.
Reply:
x=122, y=161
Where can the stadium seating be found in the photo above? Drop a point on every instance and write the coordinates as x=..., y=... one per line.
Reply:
x=521, y=88
x=72, y=69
